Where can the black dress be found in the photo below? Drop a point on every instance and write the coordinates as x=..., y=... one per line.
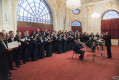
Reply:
x=18, y=50
x=41, y=50
x=72, y=43
x=48, y=47
x=54, y=44
x=64, y=43
x=68, y=43
x=60, y=49
x=34, y=50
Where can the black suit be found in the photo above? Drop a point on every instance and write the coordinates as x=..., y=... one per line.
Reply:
x=18, y=51
x=77, y=48
x=92, y=36
x=13, y=55
x=3, y=61
x=108, y=45
x=97, y=36
x=7, y=60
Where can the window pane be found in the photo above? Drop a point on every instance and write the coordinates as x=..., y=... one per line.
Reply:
x=76, y=23
x=111, y=15
x=34, y=11
x=77, y=11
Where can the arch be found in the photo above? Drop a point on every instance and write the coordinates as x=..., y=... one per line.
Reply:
x=110, y=17
x=34, y=11
x=76, y=23
x=110, y=14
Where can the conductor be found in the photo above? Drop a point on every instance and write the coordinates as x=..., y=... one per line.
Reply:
x=107, y=39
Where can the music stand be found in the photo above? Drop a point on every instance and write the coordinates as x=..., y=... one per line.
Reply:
x=93, y=58
x=100, y=50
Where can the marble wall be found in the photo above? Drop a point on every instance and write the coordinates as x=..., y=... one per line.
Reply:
x=7, y=15
x=62, y=16
x=90, y=24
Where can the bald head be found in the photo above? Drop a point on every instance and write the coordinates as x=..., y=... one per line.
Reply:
x=4, y=34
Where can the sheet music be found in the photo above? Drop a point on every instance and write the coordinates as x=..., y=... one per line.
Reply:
x=101, y=40
x=19, y=43
x=23, y=39
x=28, y=40
x=14, y=44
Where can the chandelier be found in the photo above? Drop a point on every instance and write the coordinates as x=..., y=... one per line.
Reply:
x=73, y=4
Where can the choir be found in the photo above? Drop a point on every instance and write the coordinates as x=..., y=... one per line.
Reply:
x=38, y=45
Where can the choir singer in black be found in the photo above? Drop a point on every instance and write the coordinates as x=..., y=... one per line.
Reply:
x=3, y=59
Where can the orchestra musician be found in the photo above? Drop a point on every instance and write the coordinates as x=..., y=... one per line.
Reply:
x=91, y=44
x=77, y=47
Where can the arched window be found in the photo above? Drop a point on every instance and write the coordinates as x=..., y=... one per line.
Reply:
x=76, y=23
x=111, y=14
x=34, y=11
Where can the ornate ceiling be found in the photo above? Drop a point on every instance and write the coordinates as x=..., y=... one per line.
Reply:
x=88, y=1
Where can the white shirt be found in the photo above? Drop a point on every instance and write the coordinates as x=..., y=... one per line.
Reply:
x=12, y=39
x=4, y=44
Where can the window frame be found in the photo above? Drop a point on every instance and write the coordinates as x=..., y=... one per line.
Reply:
x=107, y=12
x=38, y=15
x=76, y=13
x=77, y=21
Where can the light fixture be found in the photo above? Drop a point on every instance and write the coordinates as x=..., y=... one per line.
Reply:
x=73, y=4
x=95, y=15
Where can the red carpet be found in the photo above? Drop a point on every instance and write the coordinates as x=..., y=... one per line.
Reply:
x=62, y=67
